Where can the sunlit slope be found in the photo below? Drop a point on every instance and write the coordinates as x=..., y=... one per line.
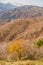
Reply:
x=29, y=29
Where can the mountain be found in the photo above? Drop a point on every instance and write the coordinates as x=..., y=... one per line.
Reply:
x=20, y=29
x=27, y=11
x=8, y=30
x=4, y=7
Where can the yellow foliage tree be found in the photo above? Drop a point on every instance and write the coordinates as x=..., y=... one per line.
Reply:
x=16, y=46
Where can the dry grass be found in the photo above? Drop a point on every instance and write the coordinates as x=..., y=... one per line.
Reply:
x=22, y=63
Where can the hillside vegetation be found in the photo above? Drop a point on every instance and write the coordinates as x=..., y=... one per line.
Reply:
x=20, y=39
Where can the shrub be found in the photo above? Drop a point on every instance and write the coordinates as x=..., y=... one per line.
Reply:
x=39, y=43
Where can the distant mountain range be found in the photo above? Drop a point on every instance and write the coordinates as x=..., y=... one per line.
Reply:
x=27, y=11
x=7, y=6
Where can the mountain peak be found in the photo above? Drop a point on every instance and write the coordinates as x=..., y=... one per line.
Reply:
x=6, y=6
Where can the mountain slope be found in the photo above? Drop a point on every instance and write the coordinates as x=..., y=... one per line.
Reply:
x=22, y=28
